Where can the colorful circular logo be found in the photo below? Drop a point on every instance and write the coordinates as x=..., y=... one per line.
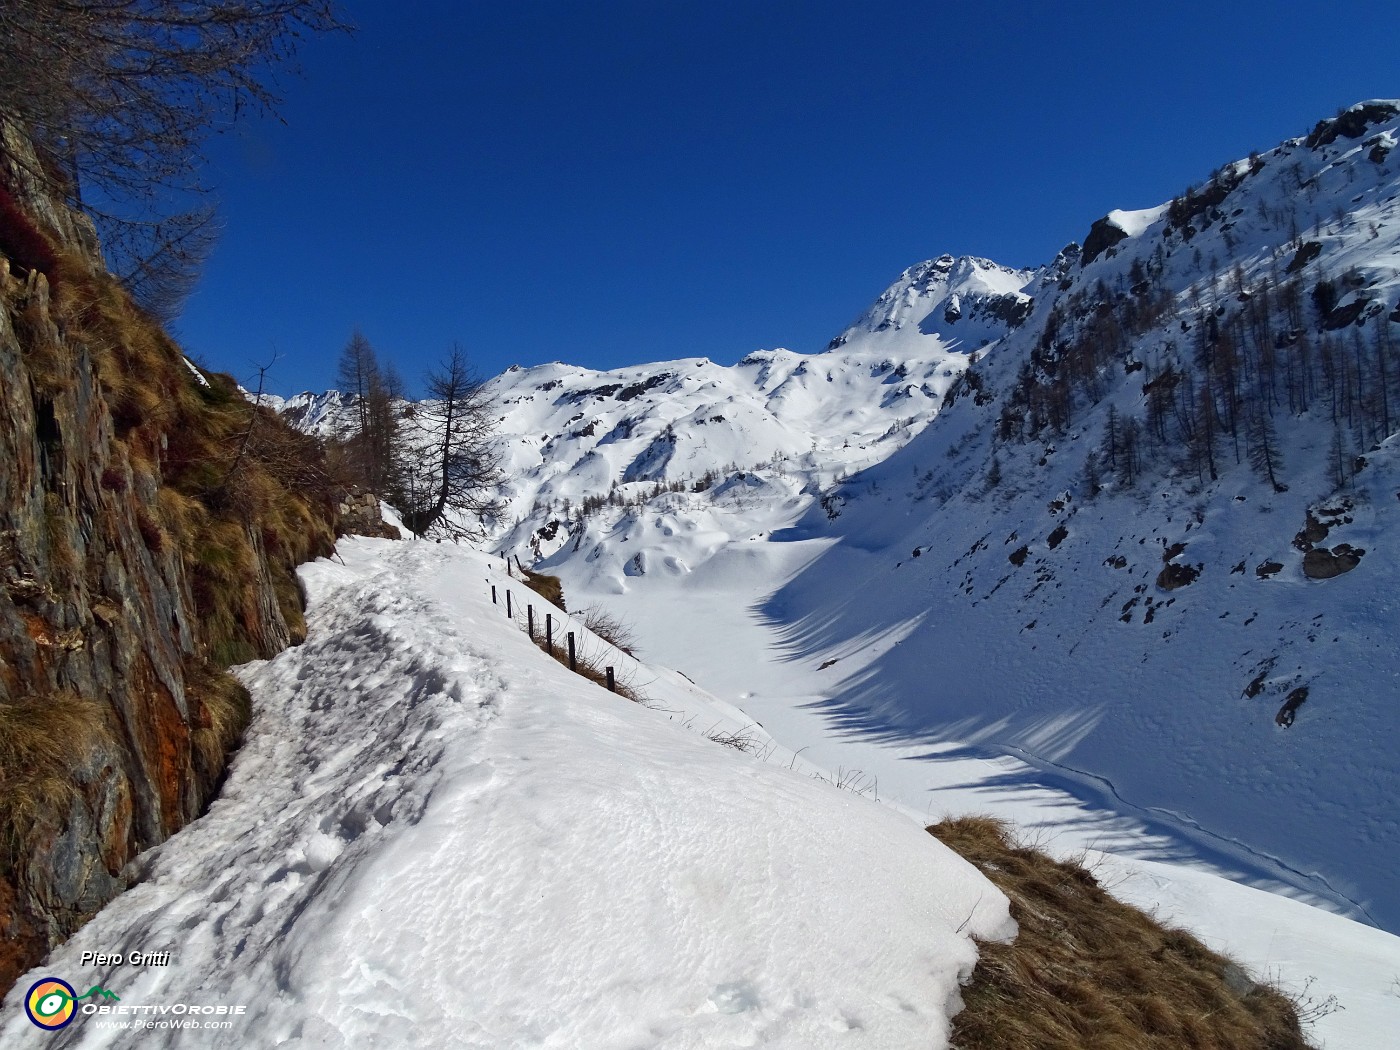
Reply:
x=51, y=1003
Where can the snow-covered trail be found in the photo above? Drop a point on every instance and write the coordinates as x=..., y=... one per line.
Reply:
x=716, y=625
x=435, y=836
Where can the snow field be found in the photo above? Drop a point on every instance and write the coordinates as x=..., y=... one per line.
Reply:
x=435, y=836
x=723, y=629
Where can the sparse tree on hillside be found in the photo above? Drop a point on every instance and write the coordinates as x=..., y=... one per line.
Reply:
x=1202, y=449
x=358, y=368
x=1129, y=456
x=1337, y=458
x=459, y=470
x=994, y=473
x=1384, y=348
x=372, y=445
x=384, y=417
x=1264, y=453
x=1090, y=477
x=1112, y=438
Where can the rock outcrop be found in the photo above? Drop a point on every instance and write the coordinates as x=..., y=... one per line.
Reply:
x=150, y=522
x=358, y=513
x=1323, y=564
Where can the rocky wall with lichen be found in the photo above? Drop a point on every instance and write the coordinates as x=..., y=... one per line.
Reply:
x=115, y=719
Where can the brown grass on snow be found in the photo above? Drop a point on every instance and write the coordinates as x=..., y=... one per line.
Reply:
x=1087, y=972
x=548, y=587
x=611, y=628
x=589, y=661
x=590, y=665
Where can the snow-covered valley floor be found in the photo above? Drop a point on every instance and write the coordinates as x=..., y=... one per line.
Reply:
x=715, y=625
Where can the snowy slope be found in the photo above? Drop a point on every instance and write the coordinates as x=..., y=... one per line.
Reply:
x=436, y=836
x=1041, y=618
x=711, y=624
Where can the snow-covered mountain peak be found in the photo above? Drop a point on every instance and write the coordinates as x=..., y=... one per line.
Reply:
x=961, y=302
x=318, y=414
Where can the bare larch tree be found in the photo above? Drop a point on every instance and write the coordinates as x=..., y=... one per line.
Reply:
x=455, y=476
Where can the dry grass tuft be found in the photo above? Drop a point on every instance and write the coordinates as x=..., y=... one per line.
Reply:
x=221, y=710
x=42, y=739
x=595, y=669
x=610, y=628
x=591, y=661
x=61, y=554
x=235, y=482
x=1087, y=972
x=548, y=587
x=744, y=739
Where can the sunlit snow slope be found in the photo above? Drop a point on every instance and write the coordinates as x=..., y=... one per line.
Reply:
x=437, y=836
x=1074, y=587
x=582, y=445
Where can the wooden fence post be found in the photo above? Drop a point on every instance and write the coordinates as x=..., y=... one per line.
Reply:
x=509, y=615
x=493, y=594
x=530, y=619
x=612, y=682
x=549, y=633
x=573, y=661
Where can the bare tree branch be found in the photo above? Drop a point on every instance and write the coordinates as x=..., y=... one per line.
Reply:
x=119, y=96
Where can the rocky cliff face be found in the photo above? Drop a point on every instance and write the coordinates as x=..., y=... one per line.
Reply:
x=150, y=520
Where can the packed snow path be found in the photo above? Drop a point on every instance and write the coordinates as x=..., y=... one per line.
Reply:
x=435, y=836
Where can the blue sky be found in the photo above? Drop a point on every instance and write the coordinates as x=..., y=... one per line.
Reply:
x=614, y=182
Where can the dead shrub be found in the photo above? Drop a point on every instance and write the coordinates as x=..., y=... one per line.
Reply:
x=610, y=628
x=1086, y=970
x=592, y=664
x=739, y=739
